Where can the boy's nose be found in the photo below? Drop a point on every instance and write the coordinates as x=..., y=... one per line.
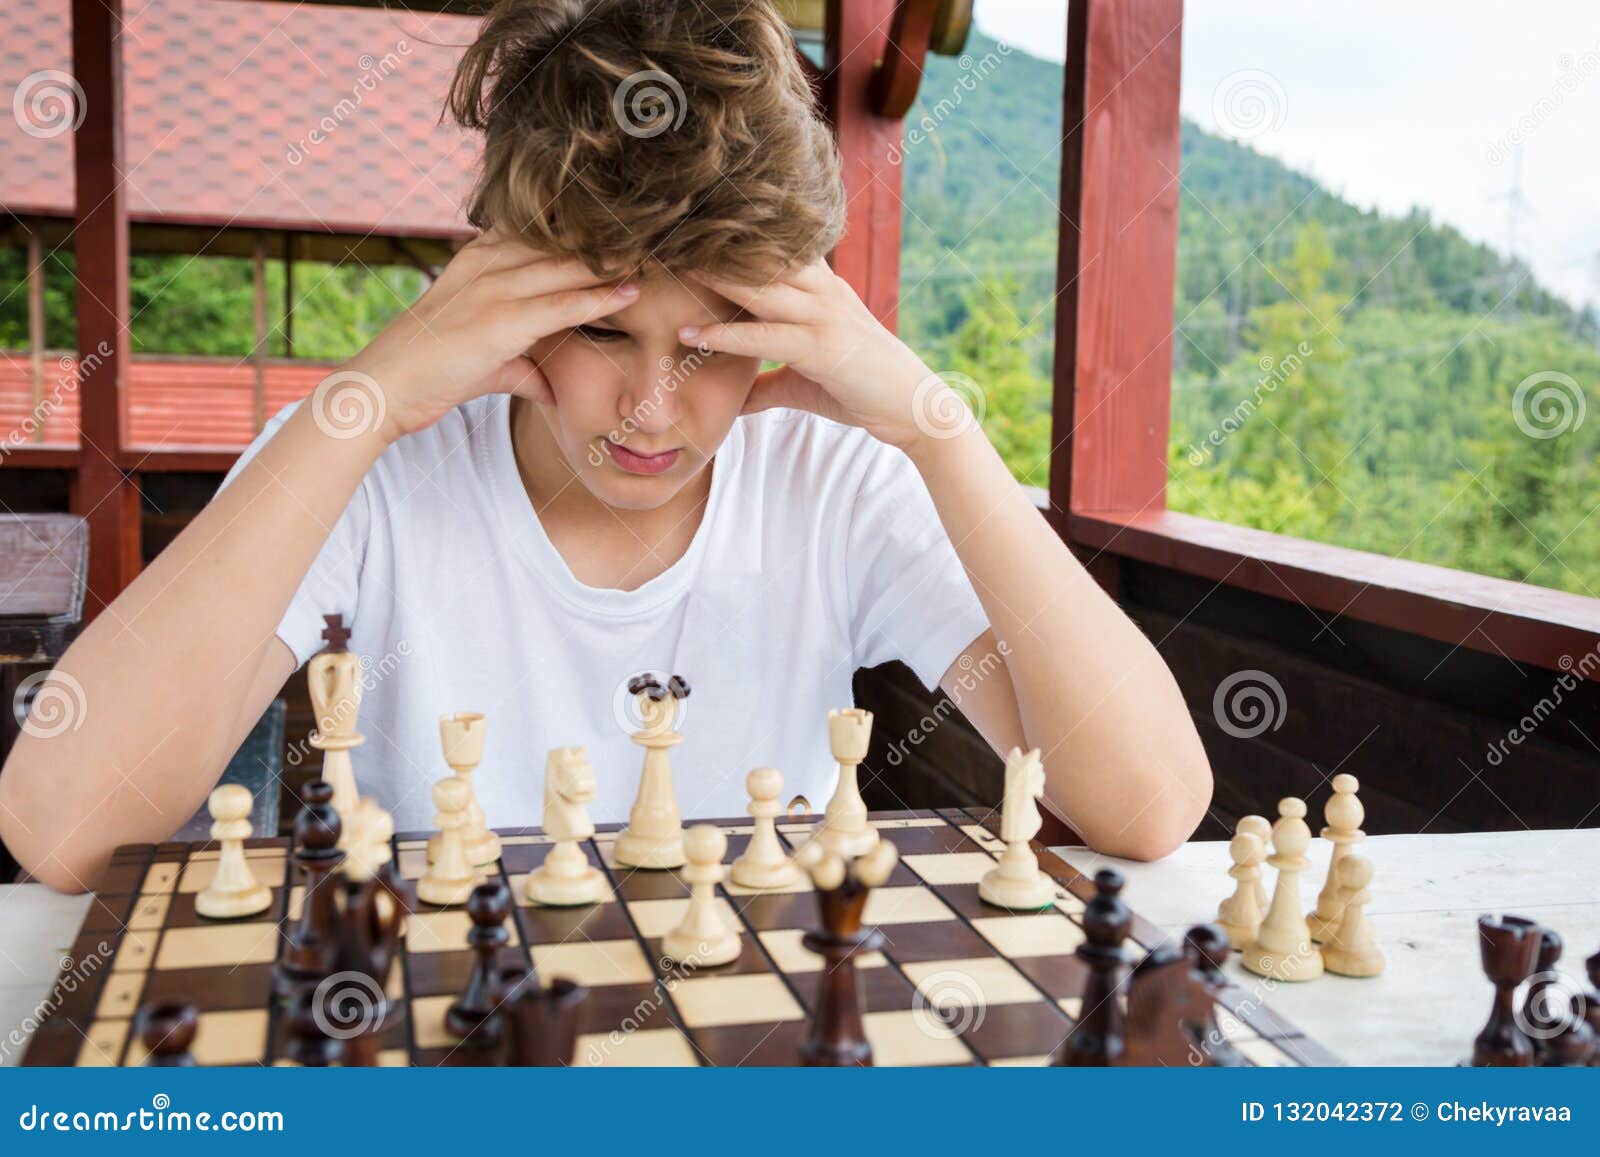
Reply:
x=651, y=403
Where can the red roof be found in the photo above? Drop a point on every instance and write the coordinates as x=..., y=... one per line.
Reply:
x=284, y=116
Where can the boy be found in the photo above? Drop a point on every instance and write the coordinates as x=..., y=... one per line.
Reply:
x=560, y=468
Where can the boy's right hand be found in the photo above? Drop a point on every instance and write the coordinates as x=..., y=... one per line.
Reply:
x=467, y=335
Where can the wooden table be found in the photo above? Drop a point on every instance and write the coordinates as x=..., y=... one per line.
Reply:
x=1424, y=1010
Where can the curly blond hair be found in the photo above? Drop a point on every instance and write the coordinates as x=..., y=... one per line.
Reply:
x=621, y=131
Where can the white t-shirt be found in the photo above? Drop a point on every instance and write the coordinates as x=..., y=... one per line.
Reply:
x=819, y=552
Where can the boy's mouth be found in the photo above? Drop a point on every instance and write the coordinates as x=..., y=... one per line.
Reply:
x=636, y=463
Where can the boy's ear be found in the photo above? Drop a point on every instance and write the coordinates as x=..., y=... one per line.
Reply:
x=523, y=377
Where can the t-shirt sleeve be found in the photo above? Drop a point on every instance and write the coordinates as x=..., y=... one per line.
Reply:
x=910, y=598
x=331, y=585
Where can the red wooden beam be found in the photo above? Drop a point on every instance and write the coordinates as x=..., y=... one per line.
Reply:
x=1117, y=257
x=102, y=492
x=895, y=83
x=869, y=256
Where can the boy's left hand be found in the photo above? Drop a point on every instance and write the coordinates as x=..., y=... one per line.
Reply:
x=839, y=360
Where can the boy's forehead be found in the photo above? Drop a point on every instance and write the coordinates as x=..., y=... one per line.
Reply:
x=670, y=299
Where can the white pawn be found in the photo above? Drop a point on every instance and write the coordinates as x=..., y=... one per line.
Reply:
x=1344, y=814
x=1283, y=949
x=1240, y=914
x=845, y=830
x=764, y=863
x=1352, y=948
x=567, y=878
x=704, y=938
x=1261, y=829
x=451, y=877
x=234, y=891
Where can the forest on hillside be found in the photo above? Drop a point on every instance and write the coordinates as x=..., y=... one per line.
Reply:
x=1380, y=382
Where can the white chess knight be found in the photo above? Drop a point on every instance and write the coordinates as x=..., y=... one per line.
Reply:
x=845, y=830
x=654, y=835
x=334, y=680
x=1017, y=882
x=234, y=890
x=566, y=877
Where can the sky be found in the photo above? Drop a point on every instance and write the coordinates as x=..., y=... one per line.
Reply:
x=1395, y=103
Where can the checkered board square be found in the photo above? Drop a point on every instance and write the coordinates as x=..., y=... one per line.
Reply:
x=957, y=982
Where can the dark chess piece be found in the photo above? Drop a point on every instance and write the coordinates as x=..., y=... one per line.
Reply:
x=1206, y=946
x=539, y=1023
x=473, y=1016
x=167, y=1032
x=308, y=1021
x=312, y=947
x=1164, y=998
x=1587, y=1003
x=1510, y=949
x=1097, y=1040
x=836, y=1036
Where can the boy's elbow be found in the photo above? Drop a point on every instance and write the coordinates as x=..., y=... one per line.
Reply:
x=1166, y=824
x=50, y=857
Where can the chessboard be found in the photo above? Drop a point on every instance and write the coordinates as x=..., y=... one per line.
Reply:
x=955, y=982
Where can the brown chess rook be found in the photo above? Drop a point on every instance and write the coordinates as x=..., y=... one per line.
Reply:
x=540, y=1027
x=1510, y=947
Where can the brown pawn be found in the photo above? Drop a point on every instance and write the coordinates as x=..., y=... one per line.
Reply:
x=312, y=947
x=167, y=1032
x=1510, y=949
x=1206, y=946
x=540, y=1023
x=473, y=1016
x=1098, y=1039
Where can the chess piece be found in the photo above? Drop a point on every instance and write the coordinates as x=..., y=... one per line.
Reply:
x=473, y=1016
x=167, y=1032
x=1240, y=914
x=704, y=938
x=764, y=863
x=654, y=835
x=1165, y=999
x=1344, y=814
x=836, y=1036
x=309, y=1040
x=540, y=1023
x=1510, y=951
x=1350, y=948
x=1016, y=882
x=1206, y=946
x=234, y=890
x=461, y=735
x=1098, y=1039
x=1261, y=829
x=566, y=877
x=1554, y=1022
x=845, y=830
x=353, y=997
x=1586, y=1002
x=450, y=878
x=1283, y=949
x=334, y=680
x=312, y=946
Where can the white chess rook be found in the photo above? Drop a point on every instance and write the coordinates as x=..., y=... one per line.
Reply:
x=845, y=830
x=461, y=736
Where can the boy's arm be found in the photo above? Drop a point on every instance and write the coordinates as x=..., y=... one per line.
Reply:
x=175, y=671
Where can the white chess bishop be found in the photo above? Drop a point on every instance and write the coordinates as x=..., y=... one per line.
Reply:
x=1017, y=882
x=654, y=835
x=566, y=877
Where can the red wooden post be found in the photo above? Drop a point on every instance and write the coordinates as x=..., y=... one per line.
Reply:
x=1117, y=257
x=869, y=256
x=103, y=493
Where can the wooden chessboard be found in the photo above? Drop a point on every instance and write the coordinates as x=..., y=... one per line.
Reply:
x=1008, y=984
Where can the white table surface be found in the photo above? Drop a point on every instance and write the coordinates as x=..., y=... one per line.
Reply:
x=1428, y=892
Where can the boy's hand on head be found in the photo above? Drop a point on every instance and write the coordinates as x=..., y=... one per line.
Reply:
x=469, y=333
x=839, y=360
